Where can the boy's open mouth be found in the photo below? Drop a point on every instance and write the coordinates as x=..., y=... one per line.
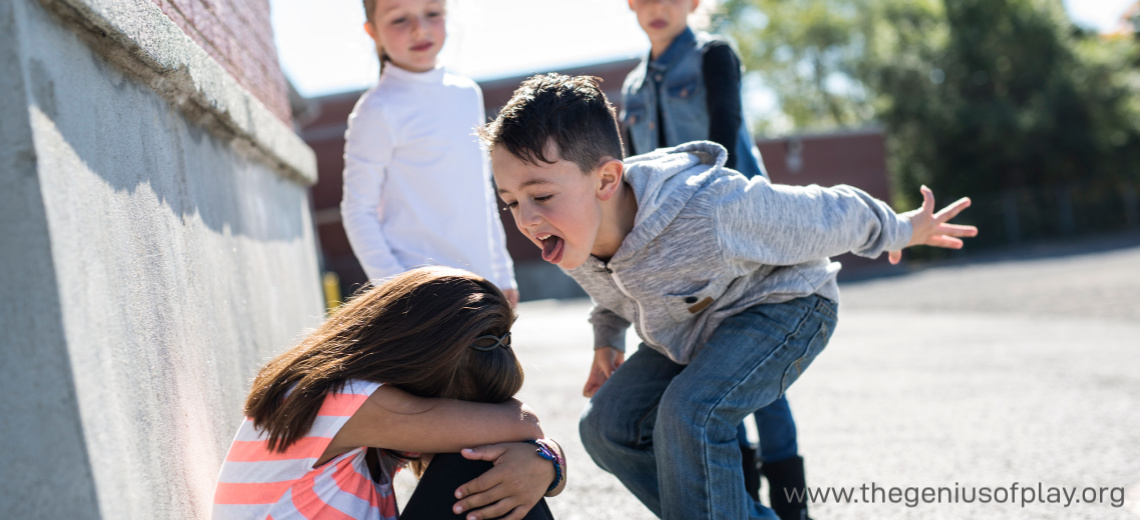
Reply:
x=552, y=246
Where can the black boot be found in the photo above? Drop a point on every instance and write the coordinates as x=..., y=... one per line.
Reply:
x=786, y=477
x=751, y=471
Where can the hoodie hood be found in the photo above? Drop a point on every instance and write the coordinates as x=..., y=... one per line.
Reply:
x=663, y=181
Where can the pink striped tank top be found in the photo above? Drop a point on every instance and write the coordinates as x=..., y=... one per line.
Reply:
x=256, y=483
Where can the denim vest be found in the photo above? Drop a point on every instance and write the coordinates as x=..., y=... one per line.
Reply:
x=675, y=81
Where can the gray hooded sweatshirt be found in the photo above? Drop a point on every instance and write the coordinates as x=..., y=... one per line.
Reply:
x=707, y=243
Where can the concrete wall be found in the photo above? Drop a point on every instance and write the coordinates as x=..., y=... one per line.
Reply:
x=156, y=247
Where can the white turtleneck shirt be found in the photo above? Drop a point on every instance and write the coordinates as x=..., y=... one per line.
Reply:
x=417, y=184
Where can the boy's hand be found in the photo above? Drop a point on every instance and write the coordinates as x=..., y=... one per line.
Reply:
x=931, y=228
x=512, y=297
x=606, y=360
x=516, y=483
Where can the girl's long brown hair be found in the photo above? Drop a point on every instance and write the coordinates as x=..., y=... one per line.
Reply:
x=412, y=332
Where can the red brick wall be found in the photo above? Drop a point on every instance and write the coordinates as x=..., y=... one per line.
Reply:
x=857, y=158
x=238, y=35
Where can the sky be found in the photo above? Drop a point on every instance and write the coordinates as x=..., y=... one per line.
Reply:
x=323, y=49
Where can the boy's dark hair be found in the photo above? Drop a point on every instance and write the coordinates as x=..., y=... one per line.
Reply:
x=571, y=112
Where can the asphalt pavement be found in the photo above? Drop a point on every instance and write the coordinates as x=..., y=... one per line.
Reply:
x=1011, y=379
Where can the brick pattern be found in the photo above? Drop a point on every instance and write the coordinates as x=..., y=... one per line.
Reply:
x=238, y=35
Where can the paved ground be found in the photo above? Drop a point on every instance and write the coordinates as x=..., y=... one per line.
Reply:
x=988, y=373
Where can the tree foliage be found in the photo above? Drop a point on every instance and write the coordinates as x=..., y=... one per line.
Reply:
x=975, y=96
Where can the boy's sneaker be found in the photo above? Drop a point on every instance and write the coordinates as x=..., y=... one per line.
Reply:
x=787, y=474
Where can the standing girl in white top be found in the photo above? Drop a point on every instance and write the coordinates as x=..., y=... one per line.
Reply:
x=417, y=184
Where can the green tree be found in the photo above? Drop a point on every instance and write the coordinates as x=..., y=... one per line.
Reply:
x=975, y=96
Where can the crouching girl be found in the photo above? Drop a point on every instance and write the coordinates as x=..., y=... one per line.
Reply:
x=419, y=365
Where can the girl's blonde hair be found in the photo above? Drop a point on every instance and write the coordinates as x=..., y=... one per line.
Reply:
x=369, y=10
x=370, y=17
x=413, y=332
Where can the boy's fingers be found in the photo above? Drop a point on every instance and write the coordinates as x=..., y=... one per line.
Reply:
x=944, y=241
x=927, y=199
x=894, y=257
x=952, y=210
x=595, y=382
x=602, y=371
x=612, y=363
x=590, y=389
x=955, y=230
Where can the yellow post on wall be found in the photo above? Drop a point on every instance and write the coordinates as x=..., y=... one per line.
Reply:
x=331, y=283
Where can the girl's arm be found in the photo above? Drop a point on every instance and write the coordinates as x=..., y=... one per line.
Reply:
x=394, y=419
x=367, y=152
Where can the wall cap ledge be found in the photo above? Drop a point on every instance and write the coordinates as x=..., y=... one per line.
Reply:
x=139, y=38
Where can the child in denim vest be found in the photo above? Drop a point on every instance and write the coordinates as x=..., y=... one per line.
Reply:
x=725, y=279
x=688, y=89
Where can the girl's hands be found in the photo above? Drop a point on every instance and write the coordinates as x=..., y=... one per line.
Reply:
x=606, y=360
x=931, y=228
x=516, y=483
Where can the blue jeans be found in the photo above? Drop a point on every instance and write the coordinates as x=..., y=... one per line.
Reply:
x=777, y=431
x=668, y=431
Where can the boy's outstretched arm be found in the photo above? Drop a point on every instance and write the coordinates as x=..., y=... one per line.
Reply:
x=931, y=229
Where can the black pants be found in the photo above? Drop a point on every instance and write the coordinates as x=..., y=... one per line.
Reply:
x=435, y=494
